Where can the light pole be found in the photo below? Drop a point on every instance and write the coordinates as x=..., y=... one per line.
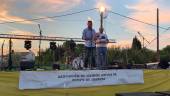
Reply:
x=158, y=53
x=10, y=55
x=39, y=52
x=102, y=10
x=144, y=39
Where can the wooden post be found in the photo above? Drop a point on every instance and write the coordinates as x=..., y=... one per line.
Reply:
x=158, y=53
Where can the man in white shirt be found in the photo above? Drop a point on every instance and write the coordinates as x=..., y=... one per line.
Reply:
x=101, y=48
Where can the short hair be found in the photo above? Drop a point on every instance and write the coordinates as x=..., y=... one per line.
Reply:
x=89, y=21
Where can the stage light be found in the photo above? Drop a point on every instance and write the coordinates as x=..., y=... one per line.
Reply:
x=27, y=44
x=102, y=9
x=53, y=45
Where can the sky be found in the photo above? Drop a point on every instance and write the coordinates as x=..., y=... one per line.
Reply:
x=116, y=27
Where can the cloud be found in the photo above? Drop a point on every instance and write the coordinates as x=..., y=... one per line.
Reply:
x=21, y=32
x=145, y=10
x=104, y=3
x=46, y=19
x=5, y=12
x=122, y=44
x=164, y=40
x=18, y=45
x=6, y=17
x=41, y=6
x=18, y=32
x=14, y=10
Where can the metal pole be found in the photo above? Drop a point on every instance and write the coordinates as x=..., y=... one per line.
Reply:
x=2, y=55
x=101, y=20
x=144, y=39
x=53, y=56
x=143, y=42
x=10, y=55
x=158, y=55
x=39, y=52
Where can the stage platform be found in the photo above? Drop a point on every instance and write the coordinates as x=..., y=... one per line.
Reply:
x=155, y=81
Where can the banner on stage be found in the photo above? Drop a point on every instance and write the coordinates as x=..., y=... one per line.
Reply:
x=72, y=79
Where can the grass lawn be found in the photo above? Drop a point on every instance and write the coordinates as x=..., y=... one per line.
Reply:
x=155, y=80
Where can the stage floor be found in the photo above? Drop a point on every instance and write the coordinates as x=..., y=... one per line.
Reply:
x=155, y=80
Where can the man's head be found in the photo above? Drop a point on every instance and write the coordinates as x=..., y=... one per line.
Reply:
x=90, y=24
x=101, y=30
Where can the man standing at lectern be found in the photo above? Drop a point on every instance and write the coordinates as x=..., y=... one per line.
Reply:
x=101, y=49
x=89, y=37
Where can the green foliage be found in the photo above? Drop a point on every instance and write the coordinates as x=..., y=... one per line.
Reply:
x=47, y=57
x=50, y=56
x=70, y=44
x=16, y=59
x=136, y=44
x=79, y=49
x=131, y=55
x=165, y=53
x=69, y=48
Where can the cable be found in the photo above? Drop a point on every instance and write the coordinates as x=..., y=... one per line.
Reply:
x=166, y=29
x=68, y=14
x=7, y=20
x=156, y=37
x=135, y=19
x=35, y=19
x=143, y=37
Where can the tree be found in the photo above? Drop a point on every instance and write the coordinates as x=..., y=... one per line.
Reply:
x=59, y=53
x=164, y=57
x=70, y=44
x=69, y=47
x=136, y=44
x=165, y=53
x=48, y=55
x=127, y=55
x=79, y=49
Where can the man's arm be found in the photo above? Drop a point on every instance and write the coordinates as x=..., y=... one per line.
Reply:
x=106, y=40
x=95, y=37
